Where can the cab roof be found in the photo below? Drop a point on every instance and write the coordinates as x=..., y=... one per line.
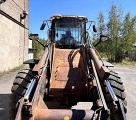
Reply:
x=58, y=16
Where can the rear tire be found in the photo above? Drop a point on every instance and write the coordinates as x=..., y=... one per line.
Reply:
x=118, y=88
x=18, y=90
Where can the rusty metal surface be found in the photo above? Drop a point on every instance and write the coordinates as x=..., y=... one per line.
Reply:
x=19, y=111
x=101, y=95
x=42, y=61
x=60, y=114
x=39, y=92
x=68, y=71
x=102, y=70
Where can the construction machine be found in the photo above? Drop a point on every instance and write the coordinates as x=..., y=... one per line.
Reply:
x=70, y=81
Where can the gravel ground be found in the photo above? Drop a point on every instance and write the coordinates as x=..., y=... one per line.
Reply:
x=6, y=82
x=128, y=75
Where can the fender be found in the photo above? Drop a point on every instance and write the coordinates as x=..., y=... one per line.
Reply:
x=31, y=62
x=107, y=64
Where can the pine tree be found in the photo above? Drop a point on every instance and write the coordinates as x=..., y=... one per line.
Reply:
x=114, y=50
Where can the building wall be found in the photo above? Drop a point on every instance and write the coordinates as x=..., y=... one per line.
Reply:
x=30, y=52
x=132, y=55
x=13, y=34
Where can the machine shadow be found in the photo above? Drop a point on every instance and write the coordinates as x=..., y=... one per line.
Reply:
x=4, y=106
x=69, y=77
x=76, y=83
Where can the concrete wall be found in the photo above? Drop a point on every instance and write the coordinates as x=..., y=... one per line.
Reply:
x=30, y=52
x=13, y=34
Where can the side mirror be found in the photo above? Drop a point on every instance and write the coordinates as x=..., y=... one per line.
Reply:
x=33, y=36
x=103, y=38
x=94, y=28
x=42, y=26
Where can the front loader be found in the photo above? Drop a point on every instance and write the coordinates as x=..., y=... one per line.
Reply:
x=70, y=81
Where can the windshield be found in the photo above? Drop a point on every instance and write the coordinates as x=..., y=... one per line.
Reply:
x=69, y=31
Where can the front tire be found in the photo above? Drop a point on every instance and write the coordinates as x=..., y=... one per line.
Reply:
x=18, y=90
x=118, y=88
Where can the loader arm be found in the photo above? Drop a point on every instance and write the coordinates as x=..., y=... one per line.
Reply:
x=36, y=89
x=102, y=73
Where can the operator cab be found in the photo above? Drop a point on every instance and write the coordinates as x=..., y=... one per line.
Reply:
x=69, y=31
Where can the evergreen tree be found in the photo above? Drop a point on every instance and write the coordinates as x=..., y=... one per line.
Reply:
x=114, y=50
x=101, y=31
x=121, y=34
x=39, y=48
x=129, y=32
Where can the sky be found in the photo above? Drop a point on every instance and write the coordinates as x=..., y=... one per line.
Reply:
x=43, y=9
